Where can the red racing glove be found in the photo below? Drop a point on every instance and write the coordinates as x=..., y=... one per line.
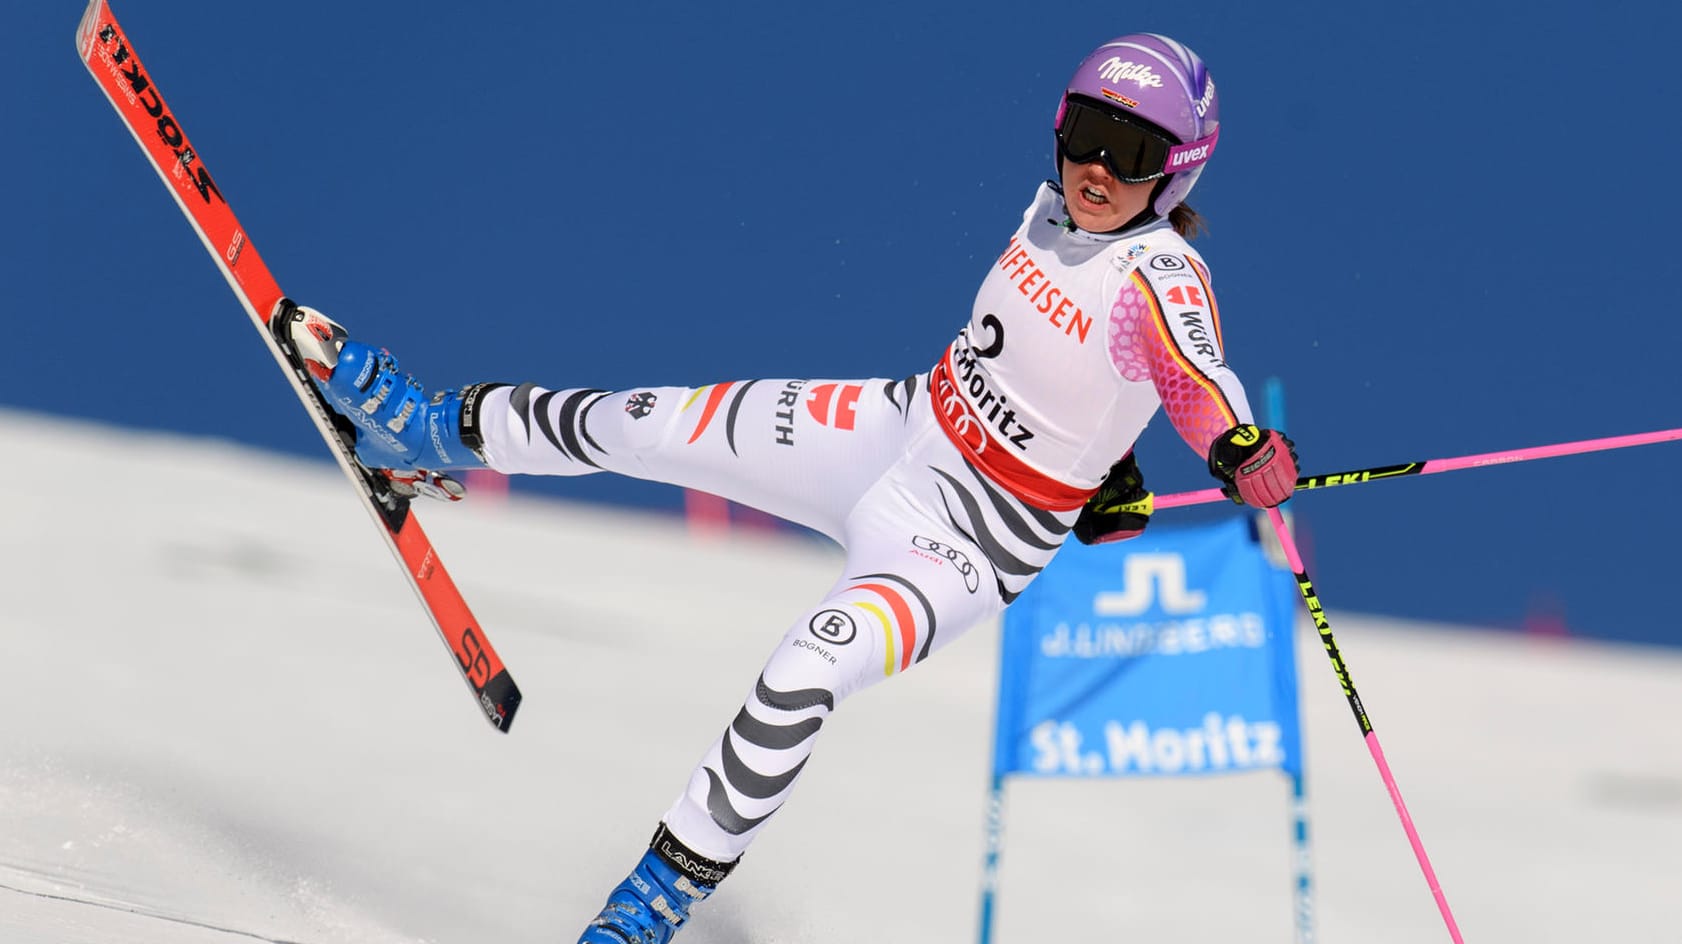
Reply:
x=1258, y=467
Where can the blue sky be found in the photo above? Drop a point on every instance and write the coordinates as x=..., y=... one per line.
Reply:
x=1447, y=229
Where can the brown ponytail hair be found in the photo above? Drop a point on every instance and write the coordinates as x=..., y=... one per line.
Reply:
x=1186, y=221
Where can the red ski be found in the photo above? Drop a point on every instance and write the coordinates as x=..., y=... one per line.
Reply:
x=110, y=57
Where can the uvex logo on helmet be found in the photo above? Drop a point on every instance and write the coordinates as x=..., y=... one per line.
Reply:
x=1178, y=159
x=1208, y=97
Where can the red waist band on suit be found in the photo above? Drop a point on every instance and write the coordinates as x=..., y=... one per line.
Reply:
x=970, y=434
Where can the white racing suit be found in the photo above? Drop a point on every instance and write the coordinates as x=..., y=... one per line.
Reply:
x=949, y=490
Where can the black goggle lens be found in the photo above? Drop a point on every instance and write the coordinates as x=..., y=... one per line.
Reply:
x=1133, y=153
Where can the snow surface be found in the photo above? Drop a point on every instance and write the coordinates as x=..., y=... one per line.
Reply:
x=230, y=721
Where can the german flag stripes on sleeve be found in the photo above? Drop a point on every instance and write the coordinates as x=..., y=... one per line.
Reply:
x=1177, y=339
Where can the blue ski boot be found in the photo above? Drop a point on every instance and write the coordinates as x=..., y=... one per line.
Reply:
x=398, y=429
x=651, y=904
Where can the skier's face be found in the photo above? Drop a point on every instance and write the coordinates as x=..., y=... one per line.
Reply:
x=1097, y=201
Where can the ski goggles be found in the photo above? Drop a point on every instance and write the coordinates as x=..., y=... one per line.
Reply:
x=1133, y=152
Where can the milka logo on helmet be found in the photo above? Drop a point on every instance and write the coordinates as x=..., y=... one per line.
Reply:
x=1116, y=71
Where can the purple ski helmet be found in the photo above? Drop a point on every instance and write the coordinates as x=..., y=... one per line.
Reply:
x=1151, y=78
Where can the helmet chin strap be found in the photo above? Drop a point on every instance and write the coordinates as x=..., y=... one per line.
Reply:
x=1144, y=216
x=1148, y=214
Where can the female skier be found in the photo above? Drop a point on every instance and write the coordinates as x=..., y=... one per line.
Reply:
x=949, y=490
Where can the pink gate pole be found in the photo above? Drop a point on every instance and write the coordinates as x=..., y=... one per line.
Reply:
x=1433, y=466
x=1324, y=626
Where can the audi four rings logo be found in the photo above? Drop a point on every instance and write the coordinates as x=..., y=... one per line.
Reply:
x=835, y=627
x=972, y=580
x=1167, y=263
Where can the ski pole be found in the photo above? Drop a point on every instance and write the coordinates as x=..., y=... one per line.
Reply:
x=1324, y=626
x=1432, y=466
